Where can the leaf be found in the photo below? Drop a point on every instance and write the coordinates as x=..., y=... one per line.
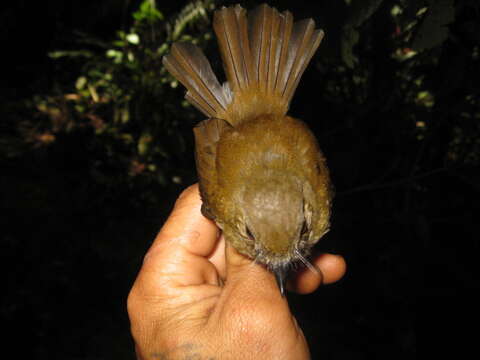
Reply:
x=350, y=37
x=133, y=39
x=189, y=15
x=81, y=82
x=360, y=12
x=72, y=54
x=433, y=31
x=144, y=144
x=148, y=11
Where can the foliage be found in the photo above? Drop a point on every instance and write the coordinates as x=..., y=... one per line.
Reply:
x=393, y=98
x=128, y=104
x=399, y=74
x=122, y=99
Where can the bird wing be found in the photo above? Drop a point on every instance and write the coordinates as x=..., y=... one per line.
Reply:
x=207, y=134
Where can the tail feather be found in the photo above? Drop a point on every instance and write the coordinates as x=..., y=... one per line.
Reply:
x=260, y=28
x=201, y=105
x=190, y=66
x=313, y=45
x=264, y=57
x=250, y=69
x=286, y=26
x=230, y=28
x=275, y=49
x=302, y=45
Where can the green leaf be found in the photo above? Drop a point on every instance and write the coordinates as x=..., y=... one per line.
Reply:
x=144, y=143
x=119, y=43
x=73, y=54
x=81, y=82
x=133, y=39
x=433, y=30
x=111, y=53
x=350, y=37
x=148, y=11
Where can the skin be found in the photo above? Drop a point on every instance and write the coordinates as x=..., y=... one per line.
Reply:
x=196, y=297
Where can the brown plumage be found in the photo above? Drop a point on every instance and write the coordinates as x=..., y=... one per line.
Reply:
x=263, y=178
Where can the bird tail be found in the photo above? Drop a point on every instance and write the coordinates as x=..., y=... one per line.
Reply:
x=264, y=56
x=188, y=64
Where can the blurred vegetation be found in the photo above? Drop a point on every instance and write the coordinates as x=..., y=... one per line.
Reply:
x=121, y=99
x=125, y=97
x=92, y=165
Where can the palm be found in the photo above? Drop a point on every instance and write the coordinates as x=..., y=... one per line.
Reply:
x=196, y=296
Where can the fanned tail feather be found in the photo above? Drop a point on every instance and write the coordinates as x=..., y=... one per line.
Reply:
x=264, y=57
x=303, y=44
x=231, y=28
x=189, y=65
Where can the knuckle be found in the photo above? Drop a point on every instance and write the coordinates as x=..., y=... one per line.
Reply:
x=189, y=191
x=132, y=303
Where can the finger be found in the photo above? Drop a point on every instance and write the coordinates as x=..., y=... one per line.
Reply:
x=331, y=269
x=178, y=256
x=188, y=227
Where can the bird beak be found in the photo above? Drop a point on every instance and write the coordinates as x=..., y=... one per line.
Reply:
x=281, y=277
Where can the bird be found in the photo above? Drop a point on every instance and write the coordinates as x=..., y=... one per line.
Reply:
x=263, y=178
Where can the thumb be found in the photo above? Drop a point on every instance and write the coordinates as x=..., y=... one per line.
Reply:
x=247, y=277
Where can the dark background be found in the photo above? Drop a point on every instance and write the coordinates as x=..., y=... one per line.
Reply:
x=400, y=131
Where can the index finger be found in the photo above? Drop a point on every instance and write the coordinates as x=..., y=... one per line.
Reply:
x=178, y=255
x=188, y=227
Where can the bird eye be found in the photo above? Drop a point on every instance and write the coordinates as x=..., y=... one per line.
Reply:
x=249, y=233
x=304, y=228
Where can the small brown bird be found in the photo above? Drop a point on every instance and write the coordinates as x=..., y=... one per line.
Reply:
x=263, y=178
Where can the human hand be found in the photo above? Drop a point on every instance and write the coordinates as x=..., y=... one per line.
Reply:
x=196, y=297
